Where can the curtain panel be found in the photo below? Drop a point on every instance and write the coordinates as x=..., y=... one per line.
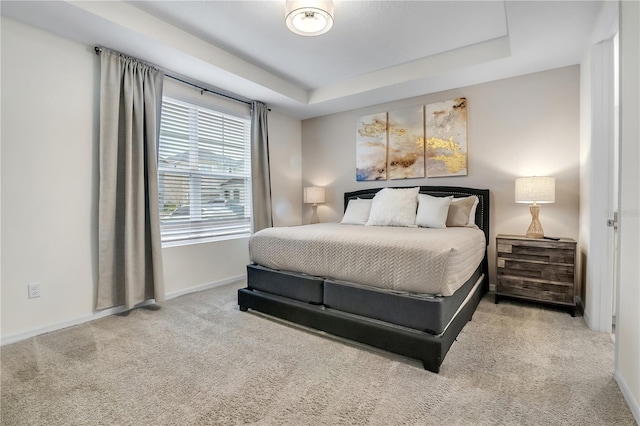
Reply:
x=260, y=178
x=129, y=245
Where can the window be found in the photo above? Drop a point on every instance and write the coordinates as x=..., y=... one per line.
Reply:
x=204, y=173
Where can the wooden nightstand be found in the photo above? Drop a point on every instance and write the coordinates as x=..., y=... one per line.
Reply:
x=539, y=270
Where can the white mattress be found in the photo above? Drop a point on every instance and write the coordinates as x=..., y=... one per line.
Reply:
x=417, y=260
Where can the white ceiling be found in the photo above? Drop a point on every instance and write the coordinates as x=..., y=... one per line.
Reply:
x=377, y=51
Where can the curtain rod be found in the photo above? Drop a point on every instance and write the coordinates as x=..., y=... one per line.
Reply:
x=204, y=89
x=98, y=50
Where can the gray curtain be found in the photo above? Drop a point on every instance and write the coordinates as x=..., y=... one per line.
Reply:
x=129, y=246
x=260, y=178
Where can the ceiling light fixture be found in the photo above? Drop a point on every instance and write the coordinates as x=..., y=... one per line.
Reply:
x=309, y=17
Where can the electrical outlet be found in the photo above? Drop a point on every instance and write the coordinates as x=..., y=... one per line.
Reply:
x=34, y=290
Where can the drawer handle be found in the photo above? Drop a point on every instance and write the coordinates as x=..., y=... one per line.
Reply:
x=504, y=248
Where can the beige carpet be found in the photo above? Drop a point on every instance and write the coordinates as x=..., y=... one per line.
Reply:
x=199, y=361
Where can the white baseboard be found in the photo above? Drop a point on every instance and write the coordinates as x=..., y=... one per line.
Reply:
x=64, y=324
x=633, y=404
x=202, y=287
x=587, y=320
x=13, y=338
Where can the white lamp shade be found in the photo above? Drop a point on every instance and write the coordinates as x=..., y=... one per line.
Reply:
x=314, y=194
x=536, y=189
x=309, y=17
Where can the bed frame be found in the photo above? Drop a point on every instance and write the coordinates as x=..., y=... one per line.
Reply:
x=430, y=349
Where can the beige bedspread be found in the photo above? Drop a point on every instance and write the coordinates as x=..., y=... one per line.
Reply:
x=417, y=260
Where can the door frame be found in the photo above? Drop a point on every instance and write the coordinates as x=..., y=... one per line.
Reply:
x=600, y=257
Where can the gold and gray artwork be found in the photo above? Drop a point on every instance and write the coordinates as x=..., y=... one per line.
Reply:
x=371, y=147
x=446, y=129
x=406, y=143
x=392, y=145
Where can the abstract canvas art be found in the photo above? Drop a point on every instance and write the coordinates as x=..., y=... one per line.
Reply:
x=371, y=147
x=446, y=133
x=406, y=143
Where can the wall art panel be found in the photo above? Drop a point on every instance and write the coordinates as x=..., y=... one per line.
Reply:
x=446, y=132
x=406, y=143
x=371, y=147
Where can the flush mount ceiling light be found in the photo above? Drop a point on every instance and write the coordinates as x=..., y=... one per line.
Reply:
x=309, y=17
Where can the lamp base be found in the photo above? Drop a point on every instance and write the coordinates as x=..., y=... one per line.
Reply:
x=314, y=216
x=535, y=228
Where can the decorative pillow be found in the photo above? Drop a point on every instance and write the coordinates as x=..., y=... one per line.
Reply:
x=432, y=211
x=394, y=207
x=460, y=211
x=357, y=212
x=472, y=213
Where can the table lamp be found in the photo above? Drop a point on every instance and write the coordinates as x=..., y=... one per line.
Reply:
x=534, y=190
x=314, y=195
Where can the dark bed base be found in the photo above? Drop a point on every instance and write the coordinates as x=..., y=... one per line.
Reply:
x=426, y=347
x=308, y=310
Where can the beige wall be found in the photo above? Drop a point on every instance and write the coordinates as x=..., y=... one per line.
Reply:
x=584, y=242
x=195, y=266
x=285, y=154
x=521, y=126
x=50, y=98
x=49, y=176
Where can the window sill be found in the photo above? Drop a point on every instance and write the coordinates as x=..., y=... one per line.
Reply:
x=170, y=244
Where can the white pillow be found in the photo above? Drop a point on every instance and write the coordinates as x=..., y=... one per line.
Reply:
x=432, y=211
x=357, y=212
x=394, y=207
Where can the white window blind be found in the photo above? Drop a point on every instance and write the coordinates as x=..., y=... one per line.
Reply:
x=204, y=173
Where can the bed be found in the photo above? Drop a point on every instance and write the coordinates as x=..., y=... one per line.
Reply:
x=393, y=311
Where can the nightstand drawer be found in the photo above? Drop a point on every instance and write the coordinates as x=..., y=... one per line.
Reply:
x=538, y=251
x=539, y=270
x=535, y=290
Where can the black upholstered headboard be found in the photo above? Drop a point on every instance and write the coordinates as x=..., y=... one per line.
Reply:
x=482, y=212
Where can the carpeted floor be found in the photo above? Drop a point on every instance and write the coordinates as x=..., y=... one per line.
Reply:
x=200, y=361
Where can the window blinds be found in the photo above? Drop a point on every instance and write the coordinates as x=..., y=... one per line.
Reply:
x=204, y=173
